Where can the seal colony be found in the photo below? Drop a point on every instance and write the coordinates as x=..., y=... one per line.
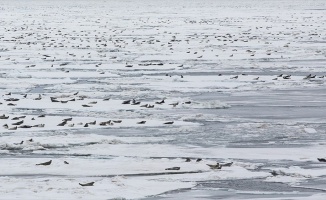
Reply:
x=111, y=100
x=32, y=121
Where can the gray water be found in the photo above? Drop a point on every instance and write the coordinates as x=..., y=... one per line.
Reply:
x=283, y=109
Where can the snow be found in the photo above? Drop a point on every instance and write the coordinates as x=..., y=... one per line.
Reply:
x=224, y=81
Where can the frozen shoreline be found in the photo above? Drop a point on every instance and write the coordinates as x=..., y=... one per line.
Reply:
x=149, y=84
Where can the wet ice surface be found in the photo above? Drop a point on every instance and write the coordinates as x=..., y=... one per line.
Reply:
x=222, y=68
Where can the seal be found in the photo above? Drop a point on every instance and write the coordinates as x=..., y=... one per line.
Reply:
x=287, y=77
x=53, y=99
x=39, y=97
x=45, y=163
x=39, y=125
x=4, y=116
x=18, y=123
x=173, y=168
x=67, y=119
x=62, y=123
x=13, y=128
x=87, y=184
x=307, y=77
x=126, y=102
x=160, y=102
x=25, y=126
x=102, y=123
x=174, y=104
x=217, y=166
x=92, y=123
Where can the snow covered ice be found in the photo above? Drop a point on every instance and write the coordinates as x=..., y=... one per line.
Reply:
x=144, y=98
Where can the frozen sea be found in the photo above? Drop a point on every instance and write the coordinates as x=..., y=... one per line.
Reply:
x=116, y=92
